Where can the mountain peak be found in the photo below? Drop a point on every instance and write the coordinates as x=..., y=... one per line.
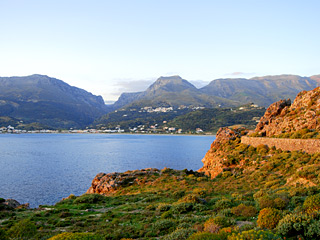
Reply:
x=171, y=84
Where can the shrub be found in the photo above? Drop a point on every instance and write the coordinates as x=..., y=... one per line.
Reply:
x=226, y=174
x=279, y=203
x=178, y=194
x=300, y=224
x=296, y=201
x=163, y=207
x=164, y=226
x=190, y=198
x=259, y=194
x=23, y=229
x=201, y=192
x=244, y=211
x=223, y=204
x=225, y=212
x=208, y=236
x=262, y=149
x=312, y=203
x=167, y=214
x=179, y=234
x=76, y=236
x=179, y=208
x=221, y=221
x=90, y=198
x=268, y=218
x=265, y=202
x=254, y=234
x=3, y=234
x=211, y=226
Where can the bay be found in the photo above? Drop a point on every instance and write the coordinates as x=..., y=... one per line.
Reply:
x=44, y=168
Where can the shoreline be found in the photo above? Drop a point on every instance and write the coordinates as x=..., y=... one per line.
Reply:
x=153, y=134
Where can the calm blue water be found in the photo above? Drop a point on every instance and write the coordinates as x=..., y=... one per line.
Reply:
x=44, y=168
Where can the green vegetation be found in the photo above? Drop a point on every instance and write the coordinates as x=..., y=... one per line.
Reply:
x=304, y=133
x=264, y=195
x=43, y=101
x=208, y=119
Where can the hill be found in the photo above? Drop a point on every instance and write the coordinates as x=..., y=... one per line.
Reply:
x=261, y=90
x=48, y=101
x=171, y=91
x=297, y=120
x=188, y=120
x=175, y=91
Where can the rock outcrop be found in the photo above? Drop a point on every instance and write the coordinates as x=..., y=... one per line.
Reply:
x=284, y=117
x=106, y=183
x=214, y=162
x=12, y=203
x=281, y=117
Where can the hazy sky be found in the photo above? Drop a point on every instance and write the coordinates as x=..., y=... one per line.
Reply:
x=107, y=47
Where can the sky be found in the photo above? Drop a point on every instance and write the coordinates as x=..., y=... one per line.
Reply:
x=109, y=47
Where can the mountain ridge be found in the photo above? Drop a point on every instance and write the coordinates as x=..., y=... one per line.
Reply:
x=49, y=101
x=227, y=92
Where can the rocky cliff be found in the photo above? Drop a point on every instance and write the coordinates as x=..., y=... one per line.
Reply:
x=105, y=183
x=284, y=117
x=216, y=159
x=301, y=119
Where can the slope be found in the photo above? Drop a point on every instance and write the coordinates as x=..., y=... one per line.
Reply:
x=39, y=98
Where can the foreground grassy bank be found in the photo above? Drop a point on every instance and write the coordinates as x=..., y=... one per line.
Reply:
x=262, y=193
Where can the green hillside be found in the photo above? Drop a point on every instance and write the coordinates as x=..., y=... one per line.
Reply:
x=208, y=119
x=48, y=101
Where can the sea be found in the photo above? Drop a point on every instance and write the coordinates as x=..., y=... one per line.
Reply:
x=41, y=169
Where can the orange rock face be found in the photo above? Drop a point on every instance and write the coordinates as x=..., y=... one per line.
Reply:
x=108, y=183
x=280, y=117
x=283, y=116
x=213, y=161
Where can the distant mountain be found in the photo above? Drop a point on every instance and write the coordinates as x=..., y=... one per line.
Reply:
x=172, y=91
x=49, y=101
x=175, y=91
x=261, y=90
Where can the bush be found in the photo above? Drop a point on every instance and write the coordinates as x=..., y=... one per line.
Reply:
x=201, y=192
x=179, y=234
x=164, y=226
x=279, y=203
x=296, y=201
x=300, y=224
x=265, y=202
x=167, y=214
x=269, y=218
x=262, y=149
x=163, y=207
x=208, y=236
x=244, y=211
x=76, y=236
x=179, y=208
x=254, y=234
x=90, y=198
x=3, y=234
x=24, y=229
x=312, y=203
x=223, y=204
x=211, y=226
x=214, y=224
x=190, y=198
